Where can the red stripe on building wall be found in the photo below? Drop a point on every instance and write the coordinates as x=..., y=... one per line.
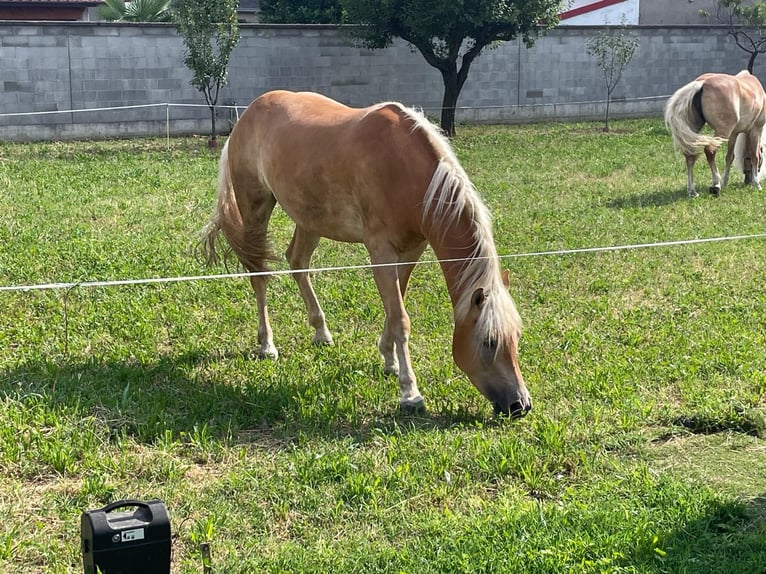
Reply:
x=589, y=8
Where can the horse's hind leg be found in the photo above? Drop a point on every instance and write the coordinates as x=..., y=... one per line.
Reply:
x=298, y=255
x=256, y=208
x=266, y=347
x=690, y=190
x=715, y=188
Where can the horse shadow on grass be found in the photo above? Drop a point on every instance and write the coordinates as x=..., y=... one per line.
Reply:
x=651, y=199
x=728, y=537
x=667, y=197
x=179, y=394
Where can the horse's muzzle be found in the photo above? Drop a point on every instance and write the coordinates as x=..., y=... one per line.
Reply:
x=514, y=410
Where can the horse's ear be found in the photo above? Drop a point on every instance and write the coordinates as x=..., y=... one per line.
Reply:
x=478, y=298
x=506, y=278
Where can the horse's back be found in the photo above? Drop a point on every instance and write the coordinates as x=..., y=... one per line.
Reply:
x=735, y=103
x=337, y=171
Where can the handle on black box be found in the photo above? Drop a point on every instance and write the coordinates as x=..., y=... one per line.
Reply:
x=123, y=504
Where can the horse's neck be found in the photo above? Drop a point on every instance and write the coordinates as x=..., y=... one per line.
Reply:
x=455, y=250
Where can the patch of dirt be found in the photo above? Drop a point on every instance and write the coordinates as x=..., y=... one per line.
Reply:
x=728, y=461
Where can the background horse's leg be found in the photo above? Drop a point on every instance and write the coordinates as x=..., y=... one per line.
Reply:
x=397, y=328
x=298, y=255
x=753, y=157
x=386, y=343
x=690, y=190
x=715, y=188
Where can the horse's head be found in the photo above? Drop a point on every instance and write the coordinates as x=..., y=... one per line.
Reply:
x=485, y=347
x=760, y=153
x=749, y=157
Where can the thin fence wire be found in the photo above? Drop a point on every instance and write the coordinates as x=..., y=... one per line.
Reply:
x=188, y=278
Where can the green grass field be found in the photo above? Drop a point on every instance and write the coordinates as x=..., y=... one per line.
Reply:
x=645, y=451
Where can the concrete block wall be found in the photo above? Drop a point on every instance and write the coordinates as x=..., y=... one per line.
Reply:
x=48, y=67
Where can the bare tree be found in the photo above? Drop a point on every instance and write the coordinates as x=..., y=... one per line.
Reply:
x=746, y=23
x=613, y=50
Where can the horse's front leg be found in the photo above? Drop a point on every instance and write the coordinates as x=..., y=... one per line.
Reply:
x=716, y=186
x=730, y=148
x=386, y=344
x=298, y=256
x=396, y=333
x=387, y=350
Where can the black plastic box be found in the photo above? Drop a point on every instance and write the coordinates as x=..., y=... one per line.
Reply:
x=134, y=541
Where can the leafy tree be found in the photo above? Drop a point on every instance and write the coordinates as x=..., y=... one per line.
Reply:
x=136, y=10
x=210, y=31
x=301, y=12
x=613, y=50
x=746, y=24
x=450, y=34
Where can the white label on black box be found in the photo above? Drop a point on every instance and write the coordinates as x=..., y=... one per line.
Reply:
x=131, y=535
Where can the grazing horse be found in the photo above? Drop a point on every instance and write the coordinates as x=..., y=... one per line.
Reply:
x=386, y=177
x=731, y=105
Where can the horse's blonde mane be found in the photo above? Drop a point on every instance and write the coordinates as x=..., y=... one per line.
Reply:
x=449, y=196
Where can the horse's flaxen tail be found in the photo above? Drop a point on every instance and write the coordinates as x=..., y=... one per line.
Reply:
x=225, y=210
x=680, y=113
x=251, y=251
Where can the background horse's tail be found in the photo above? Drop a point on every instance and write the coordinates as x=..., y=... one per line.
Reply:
x=251, y=249
x=680, y=113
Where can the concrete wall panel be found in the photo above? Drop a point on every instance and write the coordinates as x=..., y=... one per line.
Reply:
x=87, y=65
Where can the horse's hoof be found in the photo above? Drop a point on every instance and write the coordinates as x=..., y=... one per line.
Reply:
x=693, y=194
x=322, y=337
x=267, y=353
x=715, y=190
x=412, y=404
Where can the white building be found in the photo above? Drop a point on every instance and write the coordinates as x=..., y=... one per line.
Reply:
x=638, y=12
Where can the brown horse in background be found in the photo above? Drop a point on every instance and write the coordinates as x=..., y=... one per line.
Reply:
x=731, y=105
x=386, y=177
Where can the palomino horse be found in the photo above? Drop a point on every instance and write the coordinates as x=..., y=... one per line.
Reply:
x=386, y=177
x=731, y=105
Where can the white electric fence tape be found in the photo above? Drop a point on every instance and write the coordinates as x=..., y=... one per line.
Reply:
x=119, y=282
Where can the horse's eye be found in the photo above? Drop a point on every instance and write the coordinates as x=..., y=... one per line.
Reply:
x=490, y=345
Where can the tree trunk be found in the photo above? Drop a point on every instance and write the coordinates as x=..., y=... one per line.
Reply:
x=751, y=61
x=213, y=141
x=449, y=101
